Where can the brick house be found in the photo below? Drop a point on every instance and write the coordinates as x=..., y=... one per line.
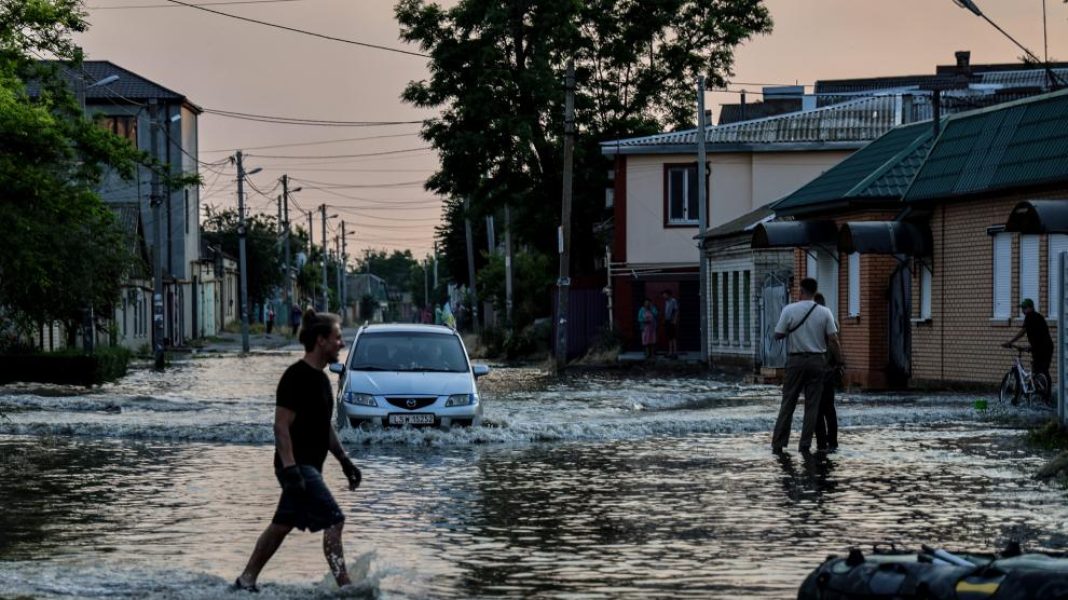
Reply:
x=982, y=165
x=931, y=279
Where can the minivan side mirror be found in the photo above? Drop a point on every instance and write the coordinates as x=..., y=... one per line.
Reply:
x=480, y=370
x=337, y=368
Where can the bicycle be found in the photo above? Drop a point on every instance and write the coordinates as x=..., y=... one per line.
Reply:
x=1019, y=383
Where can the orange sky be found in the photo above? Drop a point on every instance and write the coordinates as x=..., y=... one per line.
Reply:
x=222, y=63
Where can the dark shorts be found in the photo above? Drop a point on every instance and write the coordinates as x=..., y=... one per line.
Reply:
x=1041, y=360
x=311, y=510
x=669, y=330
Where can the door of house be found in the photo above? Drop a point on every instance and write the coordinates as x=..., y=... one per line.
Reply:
x=899, y=315
x=774, y=296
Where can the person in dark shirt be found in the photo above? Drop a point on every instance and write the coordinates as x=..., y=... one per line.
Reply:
x=1037, y=332
x=303, y=436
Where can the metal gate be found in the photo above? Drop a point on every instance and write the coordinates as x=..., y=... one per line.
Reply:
x=774, y=296
x=899, y=334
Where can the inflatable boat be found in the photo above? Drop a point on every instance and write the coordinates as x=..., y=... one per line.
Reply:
x=890, y=573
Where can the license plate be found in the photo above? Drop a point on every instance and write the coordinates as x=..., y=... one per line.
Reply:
x=411, y=419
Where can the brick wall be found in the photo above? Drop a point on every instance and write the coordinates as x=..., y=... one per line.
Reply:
x=961, y=342
x=863, y=337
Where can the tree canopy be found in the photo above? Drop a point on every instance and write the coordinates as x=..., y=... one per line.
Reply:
x=263, y=258
x=497, y=77
x=62, y=252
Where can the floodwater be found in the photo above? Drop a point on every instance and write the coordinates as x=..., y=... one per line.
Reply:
x=600, y=485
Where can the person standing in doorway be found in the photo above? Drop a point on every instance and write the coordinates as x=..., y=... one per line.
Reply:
x=810, y=332
x=671, y=322
x=647, y=317
x=270, y=319
x=303, y=436
x=1037, y=331
x=827, y=420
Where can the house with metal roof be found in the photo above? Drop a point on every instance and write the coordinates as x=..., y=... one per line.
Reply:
x=909, y=236
x=163, y=123
x=752, y=163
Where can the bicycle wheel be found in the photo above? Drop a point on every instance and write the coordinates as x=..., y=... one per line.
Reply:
x=1010, y=388
x=1043, y=393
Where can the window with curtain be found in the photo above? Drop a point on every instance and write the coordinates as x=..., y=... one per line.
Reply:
x=1002, y=275
x=854, y=284
x=1029, y=269
x=1057, y=244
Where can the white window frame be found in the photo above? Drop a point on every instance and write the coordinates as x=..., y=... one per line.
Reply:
x=1002, y=276
x=1057, y=243
x=854, y=284
x=1029, y=270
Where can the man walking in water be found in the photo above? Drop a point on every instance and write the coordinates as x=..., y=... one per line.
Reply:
x=811, y=332
x=303, y=435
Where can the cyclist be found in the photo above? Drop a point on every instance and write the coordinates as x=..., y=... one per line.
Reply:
x=1037, y=331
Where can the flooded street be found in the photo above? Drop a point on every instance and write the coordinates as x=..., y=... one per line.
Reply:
x=599, y=485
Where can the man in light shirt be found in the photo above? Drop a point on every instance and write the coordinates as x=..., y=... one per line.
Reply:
x=810, y=332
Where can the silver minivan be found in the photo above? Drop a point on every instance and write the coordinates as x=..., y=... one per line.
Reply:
x=408, y=375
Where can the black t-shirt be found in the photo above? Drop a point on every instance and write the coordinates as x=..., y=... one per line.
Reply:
x=306, y=391
x=1037, y=332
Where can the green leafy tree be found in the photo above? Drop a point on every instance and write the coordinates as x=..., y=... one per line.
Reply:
x=263, y=256
x=529, y=297
x=62, y=253
x=395, y=267
x=497, y=77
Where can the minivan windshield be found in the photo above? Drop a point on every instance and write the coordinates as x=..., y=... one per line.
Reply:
x=408, y=351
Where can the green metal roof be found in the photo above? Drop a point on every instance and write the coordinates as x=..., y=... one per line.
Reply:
x=1015, y=144
x=881, y=170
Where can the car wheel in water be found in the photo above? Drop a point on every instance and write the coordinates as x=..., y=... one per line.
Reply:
x=1010, y=389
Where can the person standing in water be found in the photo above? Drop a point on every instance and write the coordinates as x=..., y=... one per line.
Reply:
x=303, y=436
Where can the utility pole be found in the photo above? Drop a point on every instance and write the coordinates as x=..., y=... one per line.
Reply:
x=337, y=272
x=311, y=236
x=702, y=216
x=563, y=285
x=426, y=286
x=435, y=265
x=157, y=279
x=285, y=242
x=342, y=287
x=241, y=251
x=471, y=264
x=326, y=286
x=507, y=265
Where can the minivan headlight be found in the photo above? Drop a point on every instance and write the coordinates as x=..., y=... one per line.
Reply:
x=461, y=400
x=359, y=399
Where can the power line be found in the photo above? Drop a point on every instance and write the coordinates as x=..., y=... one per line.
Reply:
x=318, y=185
x=295, y=144
x=199, y=4
x=300, y=31
x=299, y=120
x=333, y=156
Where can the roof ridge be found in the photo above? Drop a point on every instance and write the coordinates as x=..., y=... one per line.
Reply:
x=922, y=138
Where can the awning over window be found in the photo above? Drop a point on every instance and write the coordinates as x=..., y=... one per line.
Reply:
x=1039, y=216
x=794, y=234
x=885, y=237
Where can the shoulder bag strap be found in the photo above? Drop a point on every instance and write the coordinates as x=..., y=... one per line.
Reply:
x=796, y=327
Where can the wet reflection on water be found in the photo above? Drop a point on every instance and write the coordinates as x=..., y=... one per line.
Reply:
x=594, y=486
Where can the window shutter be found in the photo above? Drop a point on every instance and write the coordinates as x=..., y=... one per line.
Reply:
x=854, y=284
x=828, y=281
x=1057, y=244
x=813, y=265
x=1029, y=268
x=1002, y=275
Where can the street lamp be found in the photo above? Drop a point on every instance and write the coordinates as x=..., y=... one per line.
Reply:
x=970, y=5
